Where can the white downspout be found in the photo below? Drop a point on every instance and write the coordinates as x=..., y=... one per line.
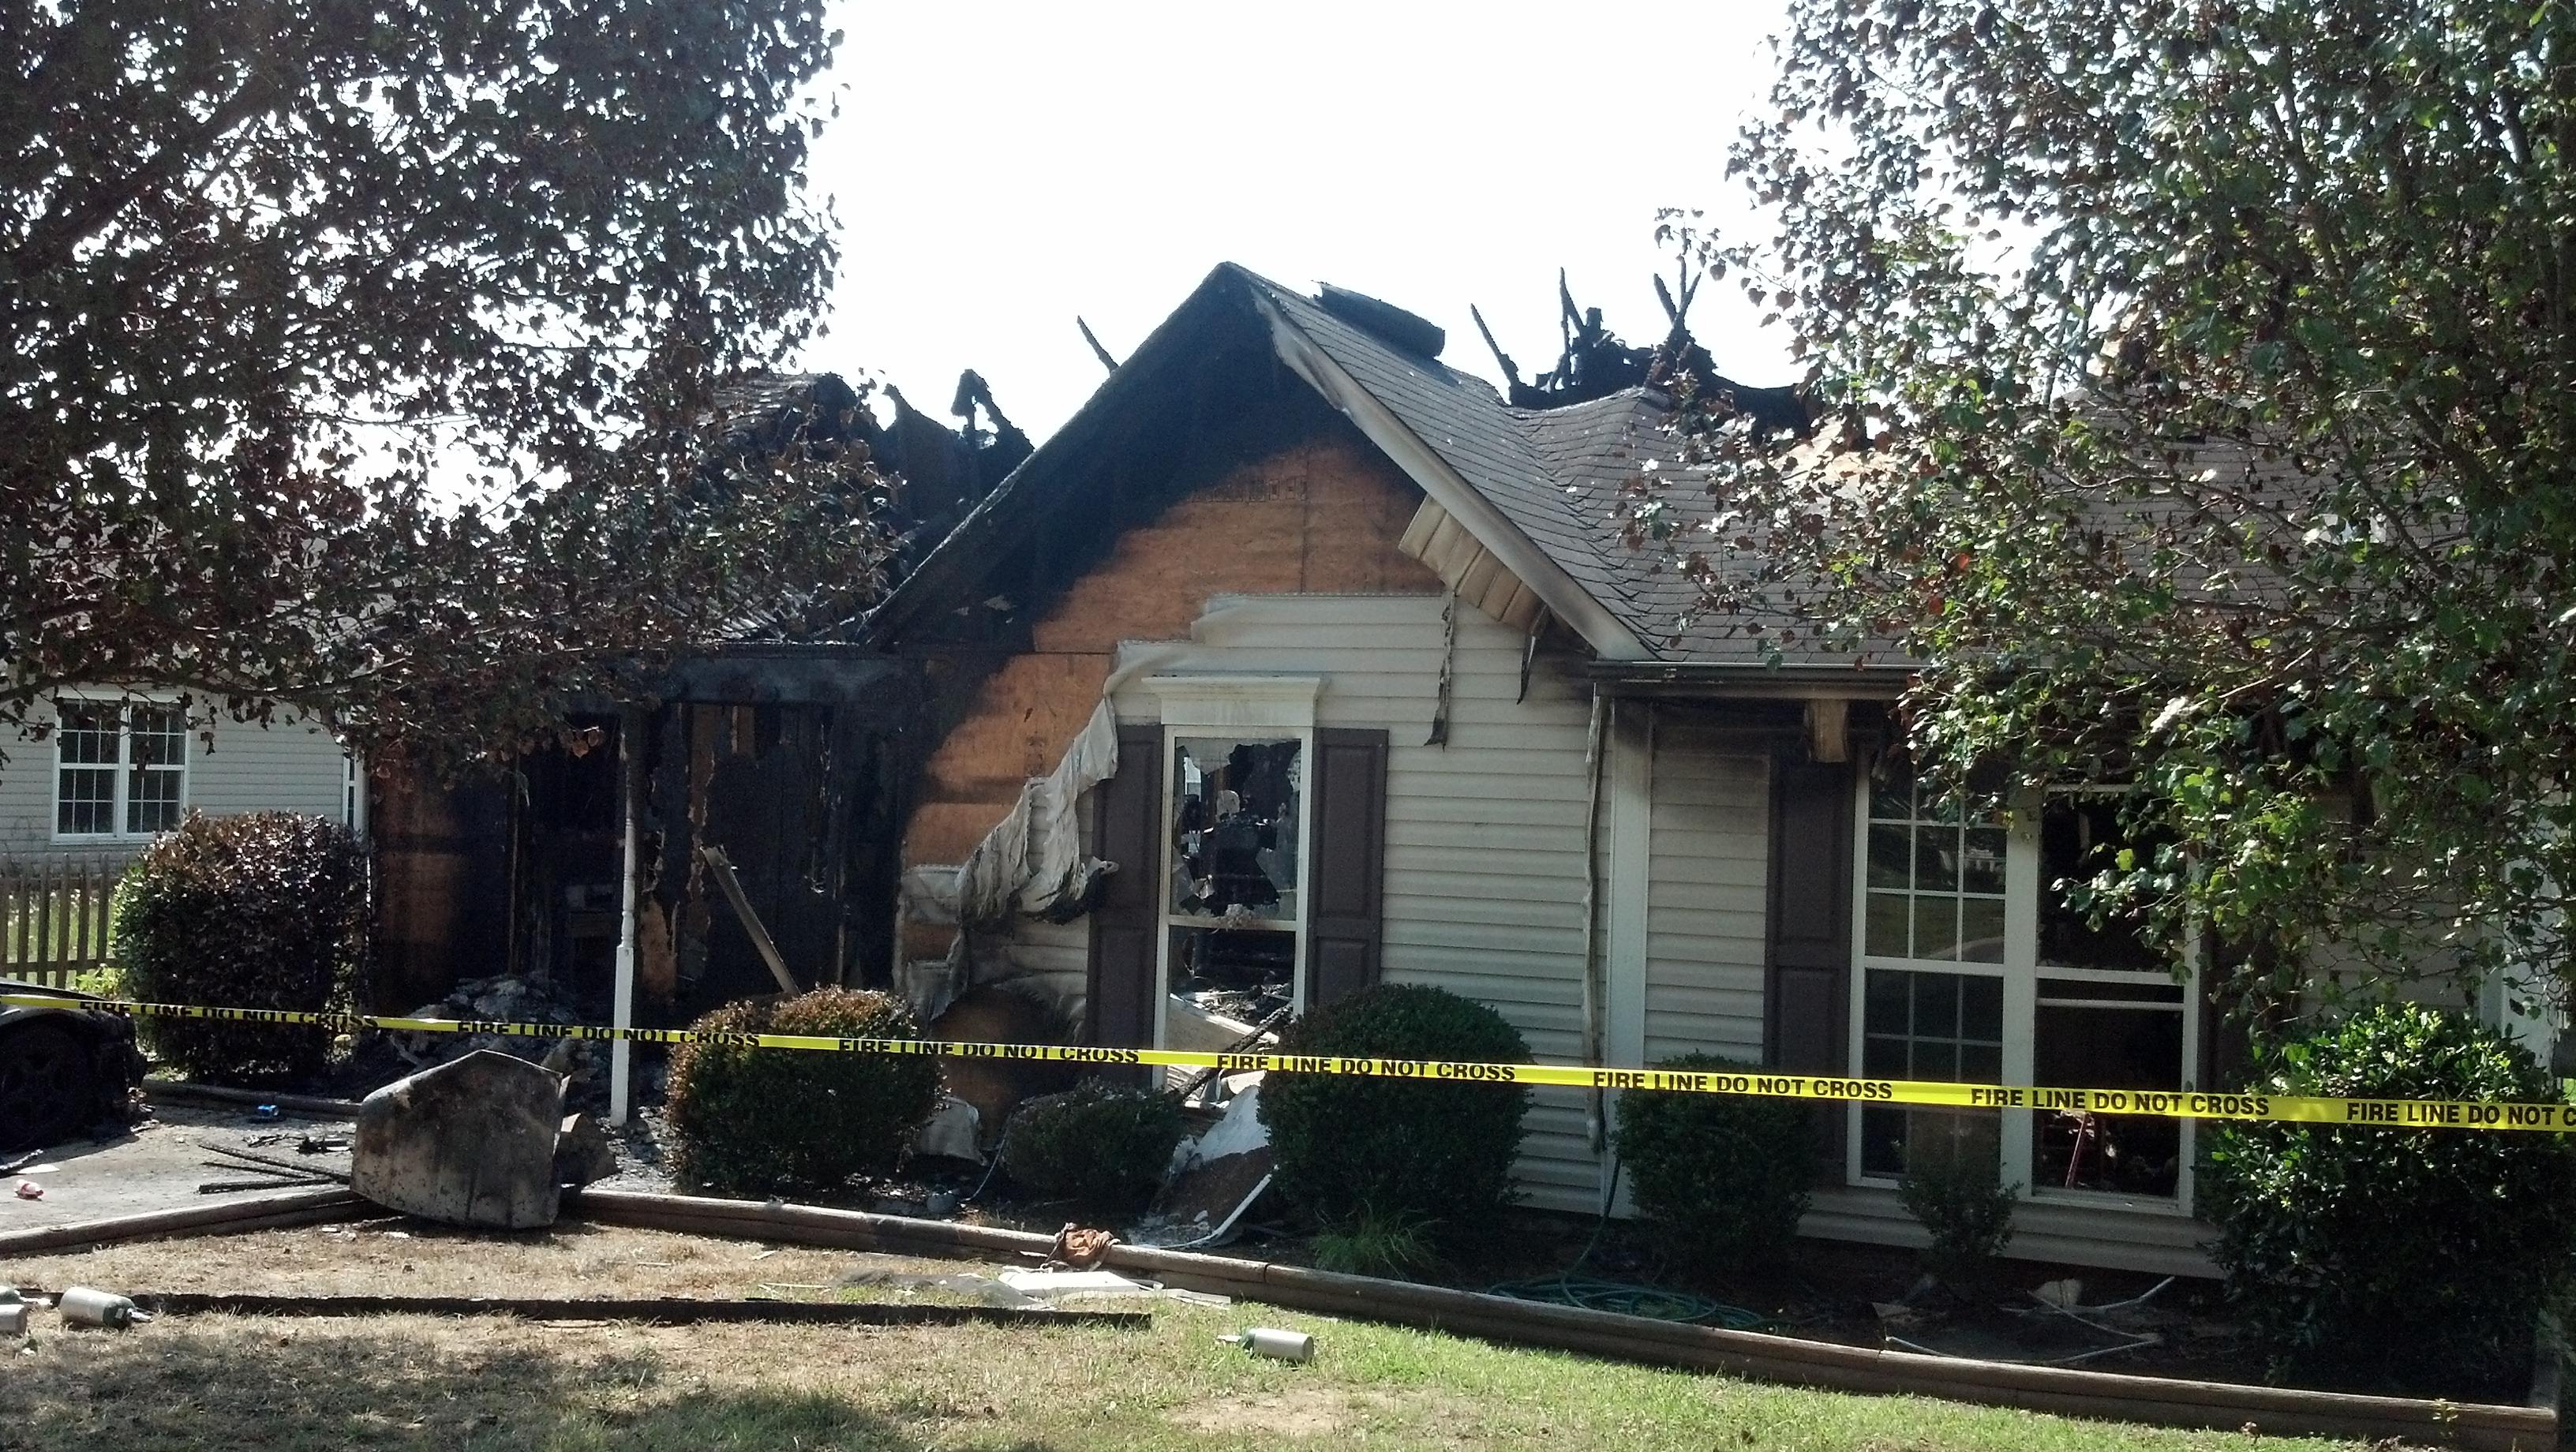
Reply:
x=1592, y=1036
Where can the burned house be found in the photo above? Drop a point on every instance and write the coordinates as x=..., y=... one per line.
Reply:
x=1302, y=661
x=1298, y=661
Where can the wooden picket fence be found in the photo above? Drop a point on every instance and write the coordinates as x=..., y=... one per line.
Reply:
x=53, y=917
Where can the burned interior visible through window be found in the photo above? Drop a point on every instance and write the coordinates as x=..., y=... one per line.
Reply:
x=2098, y=1035
x=1231, y=902
x=2111, y=1017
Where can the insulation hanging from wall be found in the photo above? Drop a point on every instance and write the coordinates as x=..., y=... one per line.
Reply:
x=1032, y=861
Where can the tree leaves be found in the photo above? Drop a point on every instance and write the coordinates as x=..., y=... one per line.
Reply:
x=2256, y=422
x=279, y=276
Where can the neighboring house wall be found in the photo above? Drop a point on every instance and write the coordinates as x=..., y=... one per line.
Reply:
x=289, y=766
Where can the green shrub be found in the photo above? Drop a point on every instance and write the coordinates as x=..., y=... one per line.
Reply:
x=768, y=1121
x=262, y=910
x=1724, y=1177
x=2402, y=1257
x=1952, y=1185
x=1435, y=1151
x=1097, y=1143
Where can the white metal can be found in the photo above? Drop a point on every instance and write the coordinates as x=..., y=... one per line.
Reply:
x=1284, y=1345
x=81, y=1306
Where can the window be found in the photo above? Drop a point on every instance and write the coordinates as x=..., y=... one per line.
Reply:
x=1232, y=901
x=2108, y=1014
x=1975, y=966
x=1933, y=892
x=1236, y=815
x=120, y=768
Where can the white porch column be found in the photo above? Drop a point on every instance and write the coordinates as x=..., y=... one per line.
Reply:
x=621, y=1054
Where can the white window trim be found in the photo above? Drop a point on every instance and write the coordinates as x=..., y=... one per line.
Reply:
x=123, y=766
x=2020, y=972
x=1277, y=708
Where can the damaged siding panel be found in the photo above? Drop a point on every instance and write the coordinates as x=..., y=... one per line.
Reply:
x=1484, y=849
x=1706, y=895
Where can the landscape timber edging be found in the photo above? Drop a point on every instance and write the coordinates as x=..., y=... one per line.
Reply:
x=286, y=1208
x=184, y=1091
x=2116, y=1396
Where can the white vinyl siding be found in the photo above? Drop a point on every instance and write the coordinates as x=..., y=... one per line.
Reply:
x=287, y=766
x=1484, y=836
x=1706, y=884
x=1484, y=841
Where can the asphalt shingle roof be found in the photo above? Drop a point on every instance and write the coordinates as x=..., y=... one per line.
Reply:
x=1556, y=474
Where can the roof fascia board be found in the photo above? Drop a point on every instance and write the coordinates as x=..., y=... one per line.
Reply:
x=1609, y=638
x=1752, y=682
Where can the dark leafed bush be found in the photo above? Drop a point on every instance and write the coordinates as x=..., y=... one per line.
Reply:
x=1724, y=1177
x=1438, y=1152
x=263, y=910
x=2411, y=1258
x=768, y=1121
x=1099, y=1144
x=1954, y=1186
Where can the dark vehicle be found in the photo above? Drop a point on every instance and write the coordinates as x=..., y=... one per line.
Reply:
x=62, y=1070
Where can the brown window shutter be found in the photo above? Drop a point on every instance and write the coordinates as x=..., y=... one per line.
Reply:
x=1807, y=962
x=1346, y=864
x=1127, y=812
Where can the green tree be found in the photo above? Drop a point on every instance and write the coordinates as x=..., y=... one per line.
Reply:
x=285, y=280
x=2198, y=390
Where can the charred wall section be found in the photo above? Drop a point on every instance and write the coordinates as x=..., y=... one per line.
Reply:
x=1277, y=496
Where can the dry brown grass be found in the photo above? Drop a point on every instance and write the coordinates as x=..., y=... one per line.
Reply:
x=493, y=1384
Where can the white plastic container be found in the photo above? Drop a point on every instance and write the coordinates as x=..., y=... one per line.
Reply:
x=1282, y=1345
x=13, y=1318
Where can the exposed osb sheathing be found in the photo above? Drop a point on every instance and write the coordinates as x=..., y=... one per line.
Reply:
x=1322, y=517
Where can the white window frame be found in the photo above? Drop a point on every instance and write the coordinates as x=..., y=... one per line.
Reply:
x=122, y=769
x=2020, y=971
x=1269, y=708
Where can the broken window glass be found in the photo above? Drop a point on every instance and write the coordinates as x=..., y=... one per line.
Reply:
x=1234, y=829
x=1231, y=900
x=1226, y=982
x=2097, y=1031
x=2098, y=1035
x=2079, y=837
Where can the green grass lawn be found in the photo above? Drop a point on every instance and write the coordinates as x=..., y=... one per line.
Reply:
x=500, y=1385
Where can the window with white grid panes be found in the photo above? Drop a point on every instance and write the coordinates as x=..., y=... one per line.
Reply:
x=1974, y=965
x=120, y=768
x=1933, y=893
x=88, y=748
x=156, y=754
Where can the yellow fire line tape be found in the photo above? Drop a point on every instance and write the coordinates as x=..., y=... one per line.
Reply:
x=2429, y=1113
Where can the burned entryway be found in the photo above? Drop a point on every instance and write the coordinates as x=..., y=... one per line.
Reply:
x=565, y=859
x=783, y=797
x=1237, y=818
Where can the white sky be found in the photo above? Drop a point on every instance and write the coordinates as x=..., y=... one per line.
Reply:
x=1002, y=167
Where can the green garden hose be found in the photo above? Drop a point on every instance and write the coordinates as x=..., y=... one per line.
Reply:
x=1627, y=1298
